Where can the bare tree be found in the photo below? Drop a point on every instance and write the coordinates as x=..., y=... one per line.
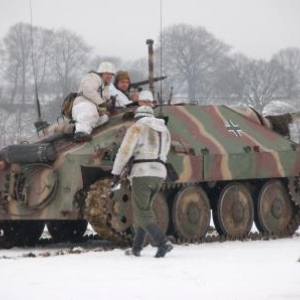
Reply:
x=261, y=82
x=21, y=43
x=17, y=65
x=253, y=82
x=59, y=61
x=191, y=55
x=15, y=60
x=138, y=69
x=231, y=79
x=96, y=60
x=19, y=126
x=289, y=59
x=70, y=59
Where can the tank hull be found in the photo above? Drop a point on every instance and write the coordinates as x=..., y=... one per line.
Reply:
x=224, y=162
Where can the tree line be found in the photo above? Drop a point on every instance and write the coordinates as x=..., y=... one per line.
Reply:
x=208, y=71
x=199, y=67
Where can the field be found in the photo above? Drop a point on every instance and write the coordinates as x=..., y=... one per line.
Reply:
x=229, y=270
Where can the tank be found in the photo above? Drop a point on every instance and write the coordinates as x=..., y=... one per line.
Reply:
x=227, y=163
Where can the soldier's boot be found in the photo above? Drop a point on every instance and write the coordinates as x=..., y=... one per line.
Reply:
x=82, y=137
x=159, y=238
x=138, y=242
x=163, y=249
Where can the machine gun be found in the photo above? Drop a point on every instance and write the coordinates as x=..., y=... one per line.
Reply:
x=137, y=85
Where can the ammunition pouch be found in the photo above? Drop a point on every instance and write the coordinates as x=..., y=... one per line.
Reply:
x=67, y=105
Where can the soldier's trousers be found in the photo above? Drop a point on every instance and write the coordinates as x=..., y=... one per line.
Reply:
x=144, y=190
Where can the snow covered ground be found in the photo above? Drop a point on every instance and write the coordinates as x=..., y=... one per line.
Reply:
x=230, y=270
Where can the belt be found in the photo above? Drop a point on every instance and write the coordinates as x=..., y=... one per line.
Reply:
x=138, y=161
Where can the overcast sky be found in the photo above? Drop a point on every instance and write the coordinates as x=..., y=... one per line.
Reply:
x=257, y=28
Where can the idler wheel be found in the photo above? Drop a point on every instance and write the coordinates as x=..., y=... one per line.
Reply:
x=234, y=212
x=191, y=212
x=274, y=208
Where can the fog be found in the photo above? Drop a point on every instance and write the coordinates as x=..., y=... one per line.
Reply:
x=257, y=28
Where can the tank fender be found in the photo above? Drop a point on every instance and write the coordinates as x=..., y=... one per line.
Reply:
x=92, y=173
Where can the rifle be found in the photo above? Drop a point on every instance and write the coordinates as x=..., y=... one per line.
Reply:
x=137, y=84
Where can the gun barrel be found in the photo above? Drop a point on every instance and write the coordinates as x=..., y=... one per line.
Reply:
x=144, y=82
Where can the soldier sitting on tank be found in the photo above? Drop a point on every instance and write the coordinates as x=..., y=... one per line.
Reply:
x=89, y=106
x=119, y=90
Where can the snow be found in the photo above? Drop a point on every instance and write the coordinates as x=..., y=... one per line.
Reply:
x=277, y=107
x=229, y=270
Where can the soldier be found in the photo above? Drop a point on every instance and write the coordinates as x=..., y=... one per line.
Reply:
x=147, y=141
x=120, y=89
x=145, y=98
x=93, y=93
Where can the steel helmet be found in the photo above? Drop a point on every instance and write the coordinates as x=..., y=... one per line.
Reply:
x=106, y=67
x=146, y=96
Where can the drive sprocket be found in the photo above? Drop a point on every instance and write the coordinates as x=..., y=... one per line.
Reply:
x=100, y=206
x=294, y=189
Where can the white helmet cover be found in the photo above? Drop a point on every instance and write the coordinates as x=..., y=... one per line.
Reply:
x=146, y=96
x=106, y=67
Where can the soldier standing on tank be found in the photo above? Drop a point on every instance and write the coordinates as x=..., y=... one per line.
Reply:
x=147, y=141
x=92, y=94
x=119, y=89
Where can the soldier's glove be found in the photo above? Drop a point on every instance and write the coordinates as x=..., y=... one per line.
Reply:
x=113, y=101
x=109, y=104
x=115, y=180
x=101, y=110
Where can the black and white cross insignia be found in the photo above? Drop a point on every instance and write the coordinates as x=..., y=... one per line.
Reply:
x=230, y=126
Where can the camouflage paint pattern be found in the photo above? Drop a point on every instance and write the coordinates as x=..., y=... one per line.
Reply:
x=221, y=143
x=209, y=143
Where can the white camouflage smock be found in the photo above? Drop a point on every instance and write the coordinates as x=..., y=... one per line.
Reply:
x=142, y=142
x=84, y=110
x=121, y=99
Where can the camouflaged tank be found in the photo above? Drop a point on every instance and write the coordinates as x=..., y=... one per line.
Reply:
x=230, y=163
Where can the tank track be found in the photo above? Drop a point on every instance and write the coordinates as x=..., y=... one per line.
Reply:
x=98, y=216
x=45, y=242
x=98, y=211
